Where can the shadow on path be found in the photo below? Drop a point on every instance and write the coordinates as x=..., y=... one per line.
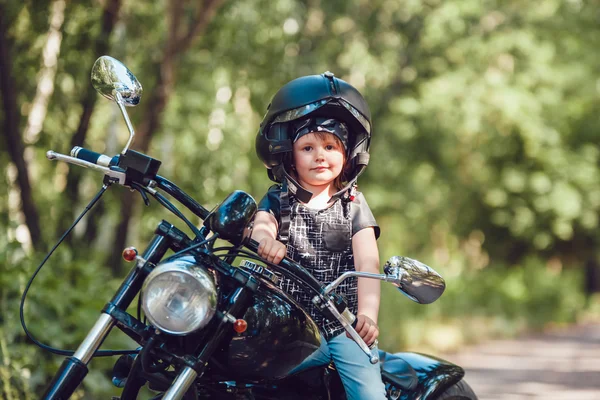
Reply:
x=558, y=365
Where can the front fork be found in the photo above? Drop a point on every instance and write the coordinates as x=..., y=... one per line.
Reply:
x=74, y=368
x=237, y=305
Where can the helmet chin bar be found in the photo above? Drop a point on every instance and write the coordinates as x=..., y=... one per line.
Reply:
x=301, y=193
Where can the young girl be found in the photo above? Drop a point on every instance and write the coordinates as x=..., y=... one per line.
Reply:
x=314, y=140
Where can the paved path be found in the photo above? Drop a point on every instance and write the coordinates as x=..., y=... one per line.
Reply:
x=557, y=365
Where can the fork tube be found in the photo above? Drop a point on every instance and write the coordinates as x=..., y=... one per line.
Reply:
x=122, y=299
x=94, y=339
x=74, y=369
x=237, y=304
x=181, y=385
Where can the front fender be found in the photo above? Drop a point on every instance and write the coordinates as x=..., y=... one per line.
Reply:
x=434, y=376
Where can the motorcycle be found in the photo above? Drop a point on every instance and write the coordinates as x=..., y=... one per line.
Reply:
x=214, y=330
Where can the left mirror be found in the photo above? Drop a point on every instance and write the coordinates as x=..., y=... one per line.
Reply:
x=114, y=81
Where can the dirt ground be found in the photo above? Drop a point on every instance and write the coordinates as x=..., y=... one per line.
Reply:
x=557, y=365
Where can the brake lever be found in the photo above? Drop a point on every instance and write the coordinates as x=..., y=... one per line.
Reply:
x=347, y=320
x=117, y=176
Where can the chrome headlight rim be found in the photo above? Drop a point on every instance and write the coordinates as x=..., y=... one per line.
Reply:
x=187, y=266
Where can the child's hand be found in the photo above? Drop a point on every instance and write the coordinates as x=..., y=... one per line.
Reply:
x=366, y=328
x=271, y=250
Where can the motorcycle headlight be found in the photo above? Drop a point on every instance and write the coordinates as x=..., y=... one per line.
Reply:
x=179, y=297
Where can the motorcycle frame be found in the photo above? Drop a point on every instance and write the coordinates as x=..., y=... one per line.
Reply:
x=74, y=369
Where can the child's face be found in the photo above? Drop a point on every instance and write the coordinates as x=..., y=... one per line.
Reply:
x=318, y=158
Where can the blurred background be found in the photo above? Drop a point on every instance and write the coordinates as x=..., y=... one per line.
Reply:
x=484, y=155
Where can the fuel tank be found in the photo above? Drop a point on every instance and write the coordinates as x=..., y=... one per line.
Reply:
x=280, y=335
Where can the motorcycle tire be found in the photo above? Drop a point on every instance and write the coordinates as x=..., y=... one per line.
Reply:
x=458, y=391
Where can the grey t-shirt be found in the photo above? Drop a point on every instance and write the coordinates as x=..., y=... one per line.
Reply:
x=360, y=213
x=321, y=241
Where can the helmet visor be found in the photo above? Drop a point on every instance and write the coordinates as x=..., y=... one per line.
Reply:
x=296, y=113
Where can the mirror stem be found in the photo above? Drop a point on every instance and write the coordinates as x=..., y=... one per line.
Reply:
x=119, y=101
x=329, y=288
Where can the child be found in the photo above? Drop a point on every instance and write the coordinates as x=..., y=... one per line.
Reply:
x=314, y=141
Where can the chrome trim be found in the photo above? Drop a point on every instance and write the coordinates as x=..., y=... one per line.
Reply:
x=329, y=288
x=199, y=274
x=140, y=261
x=260, y=270
x=52, y=155
x=229, y=318
x=349, y=316
x=373, y=355
x=414, y=279
x=120, y=103
x=181, y=385
x=94, y=339
x=111, y=78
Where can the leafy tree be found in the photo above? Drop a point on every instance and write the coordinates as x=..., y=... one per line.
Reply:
x=485, y=161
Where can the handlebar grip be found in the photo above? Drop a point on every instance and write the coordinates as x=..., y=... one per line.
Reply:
x=93, y=157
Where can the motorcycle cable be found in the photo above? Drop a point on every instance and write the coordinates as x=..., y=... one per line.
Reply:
x=168, y=205
x=101, y=353
x=162, y=200
x=193, y=247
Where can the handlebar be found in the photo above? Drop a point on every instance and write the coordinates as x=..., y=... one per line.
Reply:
x=346, y=318
x=289, y=265
x=100, y=162
x=93, y=157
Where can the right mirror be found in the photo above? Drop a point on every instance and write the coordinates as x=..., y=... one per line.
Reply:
x=416, y=280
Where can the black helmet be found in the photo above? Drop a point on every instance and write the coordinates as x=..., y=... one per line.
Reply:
x=315, y=96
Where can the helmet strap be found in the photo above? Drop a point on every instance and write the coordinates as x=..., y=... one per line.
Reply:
x=302, y=194
x=288, y=185
x=285, y=211
x=348, y=192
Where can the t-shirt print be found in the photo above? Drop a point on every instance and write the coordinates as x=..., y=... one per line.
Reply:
x=321, y=241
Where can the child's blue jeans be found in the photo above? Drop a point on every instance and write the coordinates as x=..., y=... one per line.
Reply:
x=361, y=379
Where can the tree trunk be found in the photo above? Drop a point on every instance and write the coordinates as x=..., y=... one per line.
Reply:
x=13, y=138
x=176, y=45
x=45, y=85
x=592, y=276
x=109, y=19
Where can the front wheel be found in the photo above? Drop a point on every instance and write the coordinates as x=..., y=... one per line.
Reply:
x=458, y=391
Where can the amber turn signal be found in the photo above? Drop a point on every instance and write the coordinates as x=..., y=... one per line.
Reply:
x=129, y=254
x=240, y=325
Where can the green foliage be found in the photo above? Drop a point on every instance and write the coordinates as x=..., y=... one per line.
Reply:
x=484, y=157
x=493, y=302
x=63, y=303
